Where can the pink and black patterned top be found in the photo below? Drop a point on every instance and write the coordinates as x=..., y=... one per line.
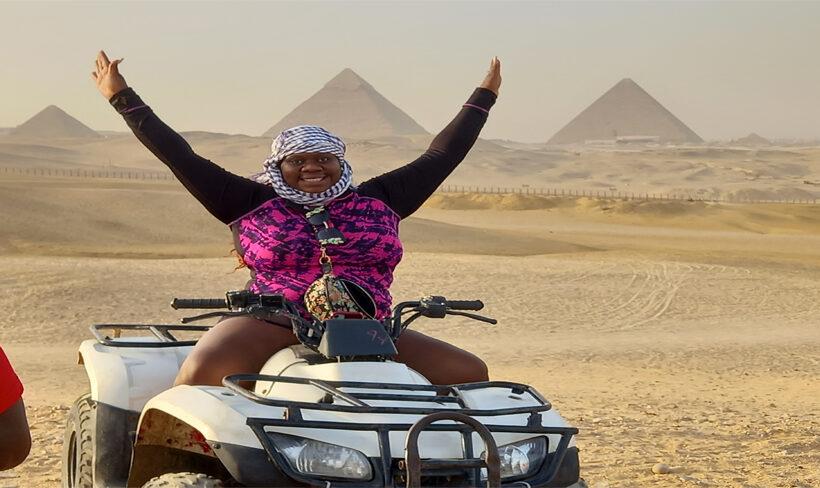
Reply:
x=276, y=241
x=280, y=247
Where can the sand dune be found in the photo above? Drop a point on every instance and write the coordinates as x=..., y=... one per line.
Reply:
x=90, y=217
x=760, y=218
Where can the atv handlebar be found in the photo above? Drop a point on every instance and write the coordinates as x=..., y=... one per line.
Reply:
x=178, y=303
x=465, y=304
x=266, y=307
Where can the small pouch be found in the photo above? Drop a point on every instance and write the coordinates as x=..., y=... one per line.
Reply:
x=330, y=295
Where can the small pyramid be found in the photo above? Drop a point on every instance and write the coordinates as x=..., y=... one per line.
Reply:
x=351, y=108
x=52, y=122
x=626, y=110
x=752, y=140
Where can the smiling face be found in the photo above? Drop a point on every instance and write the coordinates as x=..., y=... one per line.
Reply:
x=311, y=172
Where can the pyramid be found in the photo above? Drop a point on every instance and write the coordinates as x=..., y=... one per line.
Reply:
x=350, y=107
x=752, y=140
x=626, y=110
x=52, y=122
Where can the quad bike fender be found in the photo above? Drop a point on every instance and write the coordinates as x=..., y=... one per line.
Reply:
x=127, y=377
x=218, y=415
x=550, y=418
x=202, y=429
x=501, y=397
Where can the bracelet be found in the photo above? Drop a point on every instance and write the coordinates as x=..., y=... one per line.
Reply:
x=476, y=107
x=129, y=110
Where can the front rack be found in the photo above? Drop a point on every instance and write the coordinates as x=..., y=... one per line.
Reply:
x=441, y=394
x=386, y=469
x=160, y=331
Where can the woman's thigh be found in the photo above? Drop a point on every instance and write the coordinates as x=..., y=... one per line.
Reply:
x=235, y=345
x=440, y=362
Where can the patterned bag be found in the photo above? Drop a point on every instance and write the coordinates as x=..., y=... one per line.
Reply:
x=330, y=295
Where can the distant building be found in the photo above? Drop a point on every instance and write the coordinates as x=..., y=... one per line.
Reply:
x=638, y=139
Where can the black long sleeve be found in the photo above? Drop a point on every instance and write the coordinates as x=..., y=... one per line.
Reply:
x=225, y=195
x=406, y=188
x=228, y=196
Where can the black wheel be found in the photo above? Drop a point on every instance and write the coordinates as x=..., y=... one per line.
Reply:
x=78, y=445
x=183, y=480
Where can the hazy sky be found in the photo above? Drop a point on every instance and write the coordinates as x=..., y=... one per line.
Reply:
x=724, y=68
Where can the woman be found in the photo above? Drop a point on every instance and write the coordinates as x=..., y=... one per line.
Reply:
x=272, y=233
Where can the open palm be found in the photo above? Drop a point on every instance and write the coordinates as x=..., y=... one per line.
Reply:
x=107, y=76
x=492, y=81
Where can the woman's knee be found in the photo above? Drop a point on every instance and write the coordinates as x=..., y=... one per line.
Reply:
x=192, y=372
x=439, y=361
x=469, y=368
x=203, y=368
x=480, y=369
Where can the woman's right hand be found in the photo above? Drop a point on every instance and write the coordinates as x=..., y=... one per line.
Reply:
x=107, y=76
x=492, y=81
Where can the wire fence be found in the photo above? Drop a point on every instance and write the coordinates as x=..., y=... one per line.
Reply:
x=122, y=174
x=618, y=195
x=110, y=173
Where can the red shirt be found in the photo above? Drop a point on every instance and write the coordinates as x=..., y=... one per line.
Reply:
x=10, y=387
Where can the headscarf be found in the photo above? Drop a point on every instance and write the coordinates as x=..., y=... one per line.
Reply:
x=304, y=139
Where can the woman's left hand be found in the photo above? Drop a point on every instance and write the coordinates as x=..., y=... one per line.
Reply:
x=107, y=76
x=492, y=81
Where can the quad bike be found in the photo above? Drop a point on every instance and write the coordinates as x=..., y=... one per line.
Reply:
x=334, y=411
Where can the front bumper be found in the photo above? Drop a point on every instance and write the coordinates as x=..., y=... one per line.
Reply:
x=254, y=467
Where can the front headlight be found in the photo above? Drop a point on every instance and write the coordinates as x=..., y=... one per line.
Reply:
x=520, y=458
x=317, y=458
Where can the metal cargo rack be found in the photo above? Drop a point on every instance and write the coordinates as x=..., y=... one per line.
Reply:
x=162, y=332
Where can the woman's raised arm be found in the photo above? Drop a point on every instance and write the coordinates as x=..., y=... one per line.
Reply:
x=406, y=188
x=225, y=195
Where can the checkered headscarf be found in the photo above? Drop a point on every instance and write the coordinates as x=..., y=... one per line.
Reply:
x=304, y=139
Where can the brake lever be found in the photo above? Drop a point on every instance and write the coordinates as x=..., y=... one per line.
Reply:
x=473, y=316
x=209, y=315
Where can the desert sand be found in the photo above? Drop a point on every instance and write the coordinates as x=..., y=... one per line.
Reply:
x=683, y=333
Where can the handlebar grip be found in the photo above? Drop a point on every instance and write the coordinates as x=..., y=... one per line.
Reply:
x=465, y=304
x=178, y=303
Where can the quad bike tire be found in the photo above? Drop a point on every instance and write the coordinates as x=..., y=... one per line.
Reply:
x=78, y=445
x=183, y=480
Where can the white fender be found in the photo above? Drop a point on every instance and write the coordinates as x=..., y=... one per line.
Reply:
x=217, y=413
x=127, y=377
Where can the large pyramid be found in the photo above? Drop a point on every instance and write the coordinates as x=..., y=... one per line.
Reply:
x=51, y=123
x=350, y=107
x=626, y=110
